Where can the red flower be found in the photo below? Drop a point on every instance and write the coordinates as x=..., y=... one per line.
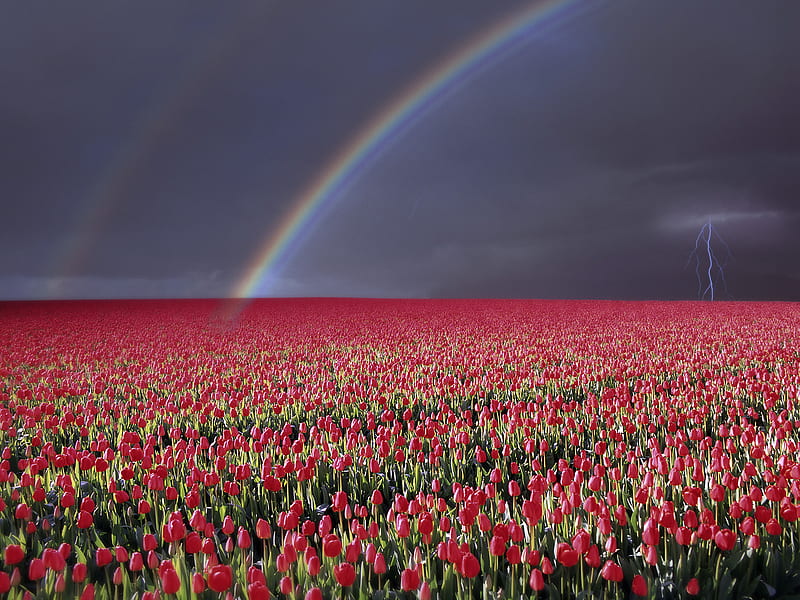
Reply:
x=36, y=569
x=263, y=529
x=193, y=543
x=314, y=594
x=286, y=586
x=5, y=582
x=409, y=580
x=137, y=562
x=693, y=587
x=581, y=541
x=198, y=583
x=639, y=585
x=331, y=545
x=345, y=574
x=567, y=555
x=470, y=567
x=725, y=539
x=148, y=542
x=220, y=577
x=611, y=571
x=243, y=538
x=314, y=566
x=79, y=572
x=259, y=591
x=88, y=592
x=536, y=580
x=497, y=546
x=339, y=501
x=773, y=527
x=13, y=554
x=593, y=556
x=228, y=525
x=103, y=556
x=170, y=581
x=85, y=520
x=650, y=535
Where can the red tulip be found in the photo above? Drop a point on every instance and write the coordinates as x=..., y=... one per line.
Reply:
x=243, y=538
x=198, y=583
x=693, y=587
x=136, y=562
x=725, y=539
x=263, y=529
x=470, y=567
x=639, y=585
x=228, y=525
x=286, y=586
x=650, y=534
x=219, y=578
x=314, y=594
x=103, y=556
x=85, y=520
x=345, y=574
x=170, y=581
x=79, y=572
x=36, y=569
x=339, y=501
x=497, y=546
x=566, y=555
x=409, y=580
x=331, y=545
x=611, y=571
x=88, y=592
x=536, y=580
x=13, y=554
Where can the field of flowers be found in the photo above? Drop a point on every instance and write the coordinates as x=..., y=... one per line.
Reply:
x=364, y=449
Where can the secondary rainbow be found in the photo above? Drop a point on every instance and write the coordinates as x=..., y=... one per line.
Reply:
x=381, y=129
x=113, y=184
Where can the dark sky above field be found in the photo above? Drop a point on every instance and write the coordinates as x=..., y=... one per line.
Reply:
x=147, y=149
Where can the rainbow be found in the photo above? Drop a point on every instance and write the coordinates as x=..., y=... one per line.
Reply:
x=477, y=53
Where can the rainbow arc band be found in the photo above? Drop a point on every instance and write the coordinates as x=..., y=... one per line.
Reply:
x=478, y=53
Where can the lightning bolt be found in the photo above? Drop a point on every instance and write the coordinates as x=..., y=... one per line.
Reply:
x=708, y=266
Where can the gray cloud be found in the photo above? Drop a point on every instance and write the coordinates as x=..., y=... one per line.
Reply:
x=153, y=156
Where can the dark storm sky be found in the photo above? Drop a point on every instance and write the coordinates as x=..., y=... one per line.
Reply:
x=147, y=149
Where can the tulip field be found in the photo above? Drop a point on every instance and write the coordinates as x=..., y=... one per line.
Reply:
x=315, y=449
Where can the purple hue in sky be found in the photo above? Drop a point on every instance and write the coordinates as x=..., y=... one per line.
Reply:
x=149, y=148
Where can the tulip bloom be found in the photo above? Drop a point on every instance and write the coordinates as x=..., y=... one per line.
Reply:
x=345, y=574
x=13, y=554
x=611, y=571
x=470, y=567
x=314, y=594
x=693, y=587
x=536, y=580
x=79, y=572
x=36, y=569
x=85, y=520
x=725, y=539
x=639, y=585
x=567, y=555
x=409, y=580
x=103, y=556
x=263, y=529
x=220, y=577
x=331, y=545
x=170, y=581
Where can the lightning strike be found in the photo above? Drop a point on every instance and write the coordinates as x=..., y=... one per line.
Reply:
x=708, y=266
